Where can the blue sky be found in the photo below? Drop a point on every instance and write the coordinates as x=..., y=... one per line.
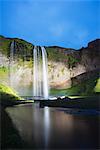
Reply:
x=66, y=23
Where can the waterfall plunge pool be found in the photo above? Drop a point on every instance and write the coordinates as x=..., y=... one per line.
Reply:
x=53, y=128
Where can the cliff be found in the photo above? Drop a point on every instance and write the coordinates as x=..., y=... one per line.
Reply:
x=65, y=65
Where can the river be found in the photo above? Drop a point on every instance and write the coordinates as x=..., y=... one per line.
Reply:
x=55, y=128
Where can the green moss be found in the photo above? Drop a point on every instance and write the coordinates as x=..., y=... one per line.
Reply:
x=84, y=89
x=4, y=71
x=4, y=45
x=72, y=61
x=57, y=92
x=97, y=87
x=56, y=55
x=22, y=47
x=8, y=93
x=87, y=88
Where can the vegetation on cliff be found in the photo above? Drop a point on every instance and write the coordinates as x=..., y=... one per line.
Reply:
x=97, y=87
x=22, y=47
x=8, y=96
x=87, y=88
x=60, y=55
x=63, y=64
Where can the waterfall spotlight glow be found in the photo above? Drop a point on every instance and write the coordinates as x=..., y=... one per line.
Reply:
x=40, y=75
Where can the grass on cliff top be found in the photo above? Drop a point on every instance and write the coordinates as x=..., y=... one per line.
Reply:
x=4, y=45
x=59, y=56
x=20, y=44
x=90, y=87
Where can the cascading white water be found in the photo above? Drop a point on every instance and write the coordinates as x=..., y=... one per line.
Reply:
x=45, y=73
x=11, y=62
x=40, y=71
x=40, y=84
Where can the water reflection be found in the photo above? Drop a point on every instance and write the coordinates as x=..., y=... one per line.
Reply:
x=52, y=128
x=46, y=125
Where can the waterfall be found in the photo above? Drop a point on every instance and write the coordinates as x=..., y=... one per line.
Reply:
x=11, y=62
x=40, y=84
x=40, y=71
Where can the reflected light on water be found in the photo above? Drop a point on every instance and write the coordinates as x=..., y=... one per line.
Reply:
x=46, y=125
x=46, y=117
x=52, y=128
x=64, y=121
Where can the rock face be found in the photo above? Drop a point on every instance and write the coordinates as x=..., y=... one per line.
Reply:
x=85, y=76
x=65, y=65
x=73, y=63
x=4, y=61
